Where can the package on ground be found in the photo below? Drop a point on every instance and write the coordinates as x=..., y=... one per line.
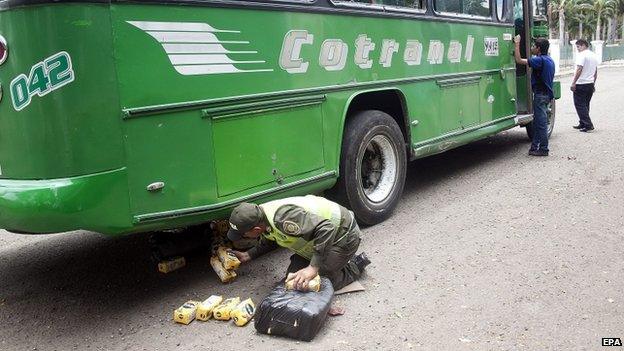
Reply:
x=224, y=310
x=185, y=313
x=225, y=275
x=171, y=264
x=227, y=258
x=295, y=314
x=243, y=312
x=205, y=308
x=313, y=285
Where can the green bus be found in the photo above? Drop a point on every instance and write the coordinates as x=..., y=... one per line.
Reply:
x=134, y=116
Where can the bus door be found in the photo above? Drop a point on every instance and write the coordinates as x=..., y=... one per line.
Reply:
x=523, y=24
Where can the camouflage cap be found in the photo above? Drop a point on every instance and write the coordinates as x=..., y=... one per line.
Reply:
x=243, y=218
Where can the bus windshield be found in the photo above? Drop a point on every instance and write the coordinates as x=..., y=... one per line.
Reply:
x=539, y=9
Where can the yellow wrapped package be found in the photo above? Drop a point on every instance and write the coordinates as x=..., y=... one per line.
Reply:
x=227, y=257
x=204, y=310
x=225, y=275
x=186, y=313
x=243, y=312
x=220, y=227
x=313, y=285
x=223, y=311
x=171, y=265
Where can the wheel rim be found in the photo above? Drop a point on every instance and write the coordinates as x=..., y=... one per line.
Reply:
x=378, y=165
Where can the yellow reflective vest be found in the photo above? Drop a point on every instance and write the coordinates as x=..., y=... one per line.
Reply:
x=312, y=204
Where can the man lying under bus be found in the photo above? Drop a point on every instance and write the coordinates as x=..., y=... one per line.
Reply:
x=323, y=235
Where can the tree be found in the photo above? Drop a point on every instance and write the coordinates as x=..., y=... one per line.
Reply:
x=578, y=16
x=556, y=10
x=619, y=12
x=600, y=9
x=561, y=20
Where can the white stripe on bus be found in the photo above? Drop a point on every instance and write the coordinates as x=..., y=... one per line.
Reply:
x=213, y=69
x=189, y=37
x=178, y=26
x=204, y=59
x=201, y=49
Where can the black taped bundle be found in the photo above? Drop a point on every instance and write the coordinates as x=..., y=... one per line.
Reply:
x=295, y=314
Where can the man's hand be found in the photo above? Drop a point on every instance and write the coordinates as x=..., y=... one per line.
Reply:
x=517, y=57
x=242, y=256
x=302, y=277
x=573, y=87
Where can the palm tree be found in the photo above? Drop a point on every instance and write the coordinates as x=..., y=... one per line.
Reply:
x=556, y=11
x=561, y=10
x=619, y=10
x=600, y=9
x=578, y=15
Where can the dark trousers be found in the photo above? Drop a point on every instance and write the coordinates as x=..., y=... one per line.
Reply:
x=540, y=122
x=582, y=96
x=337, y=265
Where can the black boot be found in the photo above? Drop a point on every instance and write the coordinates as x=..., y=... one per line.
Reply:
x=361, y=261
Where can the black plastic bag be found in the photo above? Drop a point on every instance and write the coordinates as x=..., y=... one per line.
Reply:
x=295, y=314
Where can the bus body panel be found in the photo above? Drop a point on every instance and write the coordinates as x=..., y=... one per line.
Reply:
x=256, y=57
x=70, y=123
x=245, y=134
x=199, y=112
x=96, y=201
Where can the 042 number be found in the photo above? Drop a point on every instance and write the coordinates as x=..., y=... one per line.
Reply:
x=46, y=76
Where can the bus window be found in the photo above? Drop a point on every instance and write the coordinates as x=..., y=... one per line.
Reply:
x=539, y=9
x=479, y=8
x=519, y=30
x=500, y=10
x=412, y=4
x=409, y=4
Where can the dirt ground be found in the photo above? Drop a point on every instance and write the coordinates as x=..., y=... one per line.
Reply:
x=490, y=249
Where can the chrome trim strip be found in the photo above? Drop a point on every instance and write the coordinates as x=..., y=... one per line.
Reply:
x=222, y=205
x=463, y=131
x=222, y=112
x=447, y=83
x=134, y=112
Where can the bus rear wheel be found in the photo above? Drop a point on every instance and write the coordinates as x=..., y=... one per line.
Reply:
x=372, y=166
x=550, y=113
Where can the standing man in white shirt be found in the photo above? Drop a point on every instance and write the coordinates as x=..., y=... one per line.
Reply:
x=583, y=84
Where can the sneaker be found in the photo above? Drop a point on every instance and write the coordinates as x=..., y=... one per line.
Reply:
x=580, y=126
x=586, y=129
x=538, y=152
x=361, y=261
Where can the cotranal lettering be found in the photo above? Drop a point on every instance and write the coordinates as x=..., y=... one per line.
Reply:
x=333, y=53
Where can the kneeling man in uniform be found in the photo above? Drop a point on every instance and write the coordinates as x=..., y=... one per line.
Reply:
x=323, y=235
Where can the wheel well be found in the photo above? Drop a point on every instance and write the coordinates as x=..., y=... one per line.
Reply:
x=391, y=102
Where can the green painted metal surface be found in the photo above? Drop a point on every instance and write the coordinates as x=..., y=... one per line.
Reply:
x=75, y=129
x=176, y=113
x=96, y=201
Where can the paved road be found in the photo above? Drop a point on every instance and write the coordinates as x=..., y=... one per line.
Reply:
x=489, y=249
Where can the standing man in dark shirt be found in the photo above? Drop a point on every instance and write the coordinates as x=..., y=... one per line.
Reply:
x=542, y=76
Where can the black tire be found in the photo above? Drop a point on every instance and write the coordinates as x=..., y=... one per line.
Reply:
x=371, y=139
x=551, y=121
